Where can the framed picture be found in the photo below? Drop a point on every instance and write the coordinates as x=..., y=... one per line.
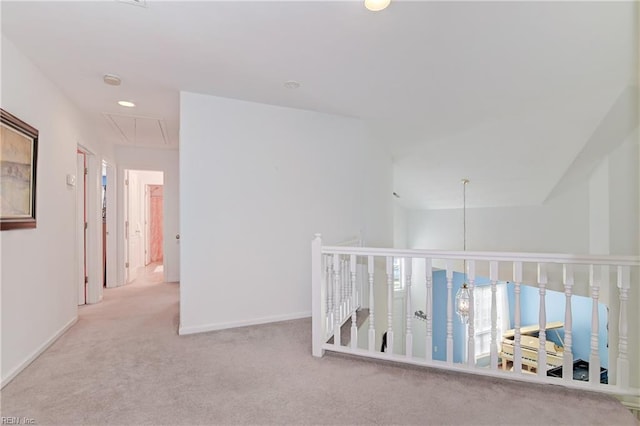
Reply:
x=18, y=166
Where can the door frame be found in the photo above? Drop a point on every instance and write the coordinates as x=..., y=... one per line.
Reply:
x=93, y=200
x=81, y=231
x=111, y=221
x=122, y=243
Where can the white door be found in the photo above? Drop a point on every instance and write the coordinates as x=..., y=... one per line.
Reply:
x=134, y=222
x=81, y=231
x=110, y=195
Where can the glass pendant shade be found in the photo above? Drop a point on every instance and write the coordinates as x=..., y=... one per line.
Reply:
x=462, y=303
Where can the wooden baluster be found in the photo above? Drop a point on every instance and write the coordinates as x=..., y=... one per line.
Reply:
x=517, y=348
x=449, y=311
x=330, y=289
x=493, y=276
x=429, y=309
x=348, y=286
x=390, y=305
x=542, y=320
x=567, y=363
x=372, y=318
x=354, y=319
x=409, y=333
x=318, y=284
x=337, y=275
x=595, y=279
x=337, y=290
x=471, y=345
x=344, y=281
x=624, y=279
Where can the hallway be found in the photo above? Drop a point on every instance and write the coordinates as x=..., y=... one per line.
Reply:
x=103, y=364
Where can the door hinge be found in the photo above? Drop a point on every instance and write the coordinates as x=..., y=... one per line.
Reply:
x=126, y=181
x=126, y=265
x=86, y=280
x=86, y=171
x=86, y=225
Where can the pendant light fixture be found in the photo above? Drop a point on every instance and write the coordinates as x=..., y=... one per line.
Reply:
x=462, y=296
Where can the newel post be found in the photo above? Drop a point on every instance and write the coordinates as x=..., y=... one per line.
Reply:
x=317, y=297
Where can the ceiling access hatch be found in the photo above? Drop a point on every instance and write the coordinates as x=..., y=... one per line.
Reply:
x=136, y=130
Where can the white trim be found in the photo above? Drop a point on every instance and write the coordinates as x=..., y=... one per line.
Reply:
x=224, y=325
x=464, y=368
x=578, y=259
x=633, y=406
x=37, y=353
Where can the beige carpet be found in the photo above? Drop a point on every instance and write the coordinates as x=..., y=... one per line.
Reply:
x=123, y=363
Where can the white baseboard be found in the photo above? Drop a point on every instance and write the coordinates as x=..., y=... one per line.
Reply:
x=632, y=404
x=255, y=321
x=37, y=353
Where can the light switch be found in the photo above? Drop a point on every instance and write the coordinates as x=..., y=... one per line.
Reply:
x=71, y=180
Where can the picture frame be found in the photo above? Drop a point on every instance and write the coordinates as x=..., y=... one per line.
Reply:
x=18, y=171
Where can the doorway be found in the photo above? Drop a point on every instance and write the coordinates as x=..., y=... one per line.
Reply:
x=155, y=240
x=82, y=277
x=88, y=226
x=144, y=235
x=108, y=202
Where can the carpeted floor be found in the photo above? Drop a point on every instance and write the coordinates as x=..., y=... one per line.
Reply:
x=123, y=364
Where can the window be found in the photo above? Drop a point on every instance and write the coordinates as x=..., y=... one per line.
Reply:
x=482, y=317
x=398, y=274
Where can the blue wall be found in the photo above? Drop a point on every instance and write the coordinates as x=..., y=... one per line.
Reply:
x=581, y=317
x=440, y=316
x=530, y=303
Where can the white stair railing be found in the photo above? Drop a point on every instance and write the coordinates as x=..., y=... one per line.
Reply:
x=341, y=292
x=340, y=275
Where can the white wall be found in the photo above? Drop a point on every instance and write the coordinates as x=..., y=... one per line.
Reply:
x=559, y=226
x=39, y=290
x=400, y=223
x=166, y=161
x=147, y=177
x=624, y=213
x=257, y=181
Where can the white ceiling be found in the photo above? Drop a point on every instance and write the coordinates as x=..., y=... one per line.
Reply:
x=507, y=94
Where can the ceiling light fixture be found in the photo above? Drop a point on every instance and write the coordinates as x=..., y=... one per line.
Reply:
x=376, y=5
x=112, y=80
x=291, y=84
x=463, y=298
x=127, y=104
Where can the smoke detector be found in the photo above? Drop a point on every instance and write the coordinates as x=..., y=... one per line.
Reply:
x=291, y=84
x=112, y=80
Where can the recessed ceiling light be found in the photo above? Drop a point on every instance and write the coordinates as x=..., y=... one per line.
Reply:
x=376, y=5
x=291, y=84
x=112, y=79
x=127, y=104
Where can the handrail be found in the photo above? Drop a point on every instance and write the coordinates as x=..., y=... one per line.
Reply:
x=577, y=259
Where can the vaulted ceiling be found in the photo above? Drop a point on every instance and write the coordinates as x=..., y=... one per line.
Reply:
x=508, y=94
